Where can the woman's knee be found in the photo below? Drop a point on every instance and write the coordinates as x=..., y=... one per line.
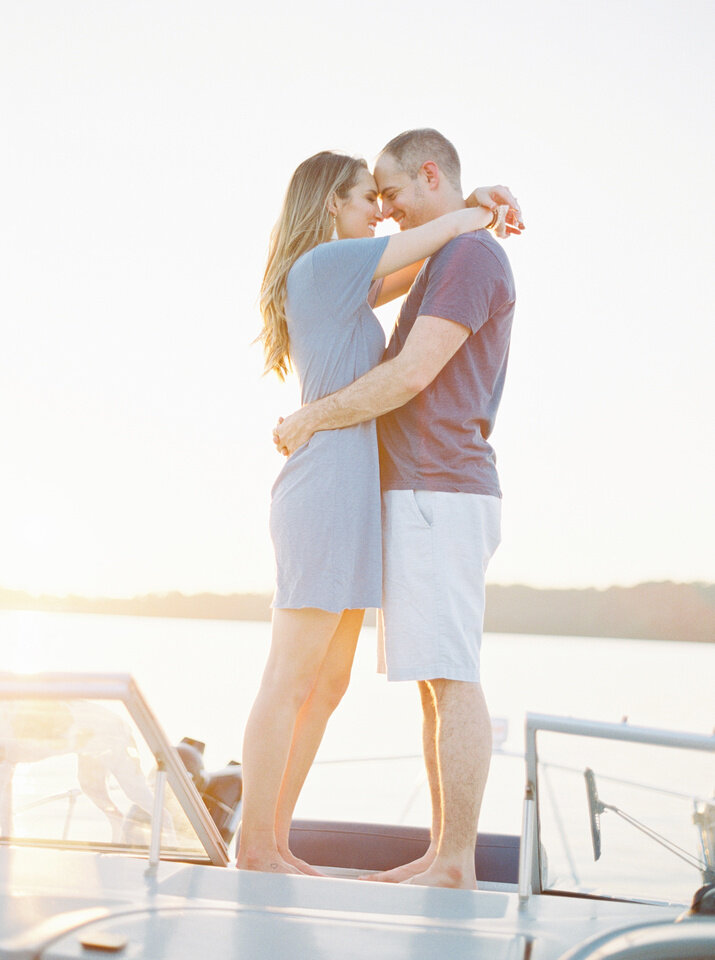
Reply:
x=288, y=683
x=332, y=683
x=331, y=690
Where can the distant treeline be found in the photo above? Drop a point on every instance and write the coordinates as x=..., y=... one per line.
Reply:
x=649, y=611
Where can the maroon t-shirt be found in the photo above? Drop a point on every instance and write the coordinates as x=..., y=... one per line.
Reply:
x=439, y=440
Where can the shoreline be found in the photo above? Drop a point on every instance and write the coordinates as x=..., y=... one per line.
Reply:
x=649, y=611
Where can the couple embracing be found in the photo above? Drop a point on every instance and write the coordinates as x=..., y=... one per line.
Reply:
x=389, y=497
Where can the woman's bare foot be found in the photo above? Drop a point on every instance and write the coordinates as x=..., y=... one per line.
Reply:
x=299, y=864
x=403, y=873
x=268, y=862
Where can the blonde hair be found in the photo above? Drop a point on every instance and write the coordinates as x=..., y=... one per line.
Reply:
x=304, y=222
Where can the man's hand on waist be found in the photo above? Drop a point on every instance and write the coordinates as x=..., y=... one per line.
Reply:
x=293, y=431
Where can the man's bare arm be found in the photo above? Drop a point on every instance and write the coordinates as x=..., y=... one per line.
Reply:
x=431, y=343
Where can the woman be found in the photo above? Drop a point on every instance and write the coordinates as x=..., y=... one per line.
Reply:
x=325, y=513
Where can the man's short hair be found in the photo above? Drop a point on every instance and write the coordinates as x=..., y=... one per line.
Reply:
x=414, y=147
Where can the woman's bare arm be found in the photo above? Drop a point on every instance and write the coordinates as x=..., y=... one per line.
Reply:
x=492, y=197
x=398, y=283
x=409, y=246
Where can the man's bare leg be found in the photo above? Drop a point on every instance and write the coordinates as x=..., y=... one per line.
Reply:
x=300, y=641
x=464, y=740
x=429, y=748
x=328, y=691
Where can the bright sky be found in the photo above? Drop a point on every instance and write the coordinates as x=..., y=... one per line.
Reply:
x=147, y=146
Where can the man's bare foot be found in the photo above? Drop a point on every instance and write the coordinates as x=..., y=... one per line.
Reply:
x=300, y=865
x=403, y=873
x=266, y=863
x=445, y=876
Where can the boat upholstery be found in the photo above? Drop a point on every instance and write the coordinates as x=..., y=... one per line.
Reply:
x=368, y=846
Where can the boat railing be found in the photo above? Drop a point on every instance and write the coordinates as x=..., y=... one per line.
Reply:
x=531, y=876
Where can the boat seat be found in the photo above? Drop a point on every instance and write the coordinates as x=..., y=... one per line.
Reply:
x=373, y=846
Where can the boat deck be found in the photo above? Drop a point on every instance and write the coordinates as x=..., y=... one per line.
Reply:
x=186, y=911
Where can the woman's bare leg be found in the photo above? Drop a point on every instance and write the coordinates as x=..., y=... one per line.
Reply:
x=300, y=641
x=330, y=685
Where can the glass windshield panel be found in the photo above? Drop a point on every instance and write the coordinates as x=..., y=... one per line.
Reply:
x=635, y=798
x=79, y=772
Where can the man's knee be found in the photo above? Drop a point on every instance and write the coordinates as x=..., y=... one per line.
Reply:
x=442, y=688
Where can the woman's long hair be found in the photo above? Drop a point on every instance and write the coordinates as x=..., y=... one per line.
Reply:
x=304, y=222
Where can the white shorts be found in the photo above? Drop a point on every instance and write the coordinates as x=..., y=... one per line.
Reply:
x=436, y=547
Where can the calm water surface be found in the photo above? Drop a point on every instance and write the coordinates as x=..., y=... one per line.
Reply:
x=200, y=677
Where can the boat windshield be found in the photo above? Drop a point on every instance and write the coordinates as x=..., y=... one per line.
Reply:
x=622, y=812
x=84, y=763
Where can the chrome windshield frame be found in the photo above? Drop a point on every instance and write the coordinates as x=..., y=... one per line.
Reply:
x=530, y=872
x=122, y=687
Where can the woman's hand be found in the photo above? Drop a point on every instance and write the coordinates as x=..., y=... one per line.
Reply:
x=491, y=198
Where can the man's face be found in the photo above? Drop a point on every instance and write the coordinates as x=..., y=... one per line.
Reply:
x=403, y=199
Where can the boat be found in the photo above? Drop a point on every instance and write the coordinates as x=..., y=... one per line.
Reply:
x=115, y=842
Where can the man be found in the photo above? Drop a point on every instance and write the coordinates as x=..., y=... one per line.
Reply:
x=436, y=393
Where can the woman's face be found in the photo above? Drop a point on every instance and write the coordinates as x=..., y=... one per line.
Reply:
x=358, y=214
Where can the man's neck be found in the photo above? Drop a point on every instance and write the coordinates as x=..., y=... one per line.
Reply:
x=447, y=203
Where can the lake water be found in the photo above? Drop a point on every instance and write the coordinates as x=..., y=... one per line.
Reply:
x=200, y=677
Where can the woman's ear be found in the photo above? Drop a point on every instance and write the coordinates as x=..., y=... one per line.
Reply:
x=332, y=204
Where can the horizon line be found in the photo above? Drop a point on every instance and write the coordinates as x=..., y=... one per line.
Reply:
x=269, y=592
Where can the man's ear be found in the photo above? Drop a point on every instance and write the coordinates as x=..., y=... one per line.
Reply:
x=430, y=171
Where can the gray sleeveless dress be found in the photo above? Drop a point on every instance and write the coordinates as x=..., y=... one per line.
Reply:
x=325, y=504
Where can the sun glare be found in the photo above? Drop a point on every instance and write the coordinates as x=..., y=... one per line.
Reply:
x=26, y=647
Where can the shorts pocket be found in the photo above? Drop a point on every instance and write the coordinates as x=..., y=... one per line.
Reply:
x=422, y=505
